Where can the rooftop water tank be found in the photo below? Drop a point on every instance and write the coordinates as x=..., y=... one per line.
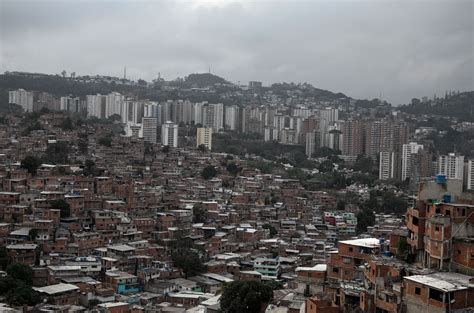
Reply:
x=441, y=179
x=447, y=198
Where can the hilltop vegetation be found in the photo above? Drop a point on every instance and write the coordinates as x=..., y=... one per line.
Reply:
x=459, y=105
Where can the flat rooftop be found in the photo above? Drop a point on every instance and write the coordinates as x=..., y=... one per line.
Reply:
x=443, y=281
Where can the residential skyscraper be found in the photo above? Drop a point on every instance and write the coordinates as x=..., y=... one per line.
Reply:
x=96, y=105
x=232, y=117
x=169, y=134
x=312, y=142
x=22, y=98
x=388, y=165
x=408, y=150
x=150, y=128
x=451, y=165
x=204, y=137
x=113, y=104
x=327, y=117
x=70, y=104
x=353, y=137
x=470, y=175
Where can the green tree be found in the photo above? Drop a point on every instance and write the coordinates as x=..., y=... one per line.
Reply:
x=165, y=149
x=89, y=168
x=233, y=169
x=365, y=218
x=31, y=164
x=209, y=172
x=272, y=229
x=16, y=287
x=363, y=164
x=189, y=261
x=341, y=205
x=67, y=124
x=57, y=153
x=403, y=249
x=105, y=141
x=4, y=259
x=33, y=233
x=245, y=296
x=21, y=272
x=199, y=213
x=83, y=143
x=63, y=206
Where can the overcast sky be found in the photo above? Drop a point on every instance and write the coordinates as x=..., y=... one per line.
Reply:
x=400, y=49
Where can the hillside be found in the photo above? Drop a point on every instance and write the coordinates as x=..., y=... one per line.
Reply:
x=459, y=105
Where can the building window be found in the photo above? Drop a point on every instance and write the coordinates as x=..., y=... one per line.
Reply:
x=436, y=295
x=463, y=212
x=417, y=290
x=436, y=228
x=350, y=249
x=335, y=270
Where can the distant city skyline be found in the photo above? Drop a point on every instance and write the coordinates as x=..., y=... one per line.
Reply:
x=397, y=49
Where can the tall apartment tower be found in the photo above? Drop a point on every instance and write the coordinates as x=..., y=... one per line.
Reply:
x=470, y=175
x=169, y=134
x=70, y=104
x=213, y=116
x=96, y=105
x=204, y=137
x=408, y=152
x=451, y=165
x=384, y=136
x=232, y=117
x=150, y=128
x=22, y=98
x=388, y=165
x=327, y=117
x=353, y=137
x=312, y=142
x=113, y=104
x=132, y=111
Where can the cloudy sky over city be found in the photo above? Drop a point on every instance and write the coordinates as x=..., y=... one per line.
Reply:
x=399, y=49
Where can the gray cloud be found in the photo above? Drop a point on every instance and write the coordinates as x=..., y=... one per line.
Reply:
x=402, y=49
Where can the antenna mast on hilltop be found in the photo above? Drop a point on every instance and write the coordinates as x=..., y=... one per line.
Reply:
x=209, y=69
x=125, y=72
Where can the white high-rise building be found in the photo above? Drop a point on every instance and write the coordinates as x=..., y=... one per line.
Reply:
x=188, y=112
x=96, y=106
x=22, y=98
x=451, y=165
x=279, y=122
x=169, y=134
x=270, y=134
x=213, y=116
x=113, y=104
x=133, y=130
x=70, y=104
x=198, y=108
x=151, y=110
x=327, y=117
x=387, y=165
x=407, y=151
x=311, y=143
x=232, y=117
x=132, y=111
x=150, y=128
x=470, y=175
x=204, y=137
